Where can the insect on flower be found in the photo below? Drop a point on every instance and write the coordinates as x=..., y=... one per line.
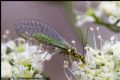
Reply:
x=40, y=32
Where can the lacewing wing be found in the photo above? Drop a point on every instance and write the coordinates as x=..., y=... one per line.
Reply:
x=41, y=32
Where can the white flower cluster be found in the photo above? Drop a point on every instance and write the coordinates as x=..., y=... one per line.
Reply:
x=101, y=64
x=21, y=59
x=112, y=9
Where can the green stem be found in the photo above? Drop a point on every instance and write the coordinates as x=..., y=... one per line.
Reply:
x=112, y=27
x=67, y=6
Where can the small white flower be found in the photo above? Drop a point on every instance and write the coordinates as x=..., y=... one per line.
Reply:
x=38, y=75
x=112, y=19
x=110, y=76
x=13, y=56
x=4, y=55
x=83, y=76
x=106, y=47
x=38, y=66
x=80, y=22
x=37, y=62
x=65, y=64
x=73, y=41
x=91, y=28
x=11, y=44
x=3, y=49
x=75, y=68
x=112, y=9
x=107, y=7
x=116, y=49
x=83, y=19
x=15, y=70
x=6, y=69
x=92, y=64
x=21, y=68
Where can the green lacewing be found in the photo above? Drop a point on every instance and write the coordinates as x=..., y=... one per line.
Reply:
x=41, y=32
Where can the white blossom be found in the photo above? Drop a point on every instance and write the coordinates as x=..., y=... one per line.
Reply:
x=101, y=64
x=6, y=69
x=112, y=9
x=25, y=57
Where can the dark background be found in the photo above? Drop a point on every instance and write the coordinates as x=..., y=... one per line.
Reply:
x=53, y=14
